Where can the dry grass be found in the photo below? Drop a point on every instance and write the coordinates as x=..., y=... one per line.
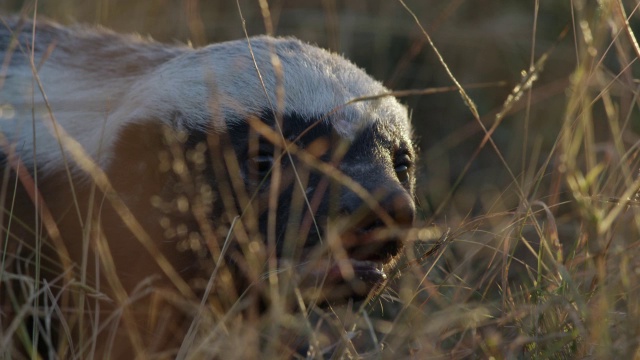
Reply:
x=530, y=208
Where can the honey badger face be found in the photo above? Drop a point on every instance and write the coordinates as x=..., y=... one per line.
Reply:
x=379, y=159
x=114, y=98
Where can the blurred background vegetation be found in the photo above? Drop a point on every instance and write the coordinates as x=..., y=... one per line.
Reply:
x=566, y=154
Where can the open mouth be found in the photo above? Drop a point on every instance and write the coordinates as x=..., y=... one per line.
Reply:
x=352, y=272
x=368, y=272
x=340, y=280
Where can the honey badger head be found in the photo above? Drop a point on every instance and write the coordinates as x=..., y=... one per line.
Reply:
x=343, y=172
x=367, y=142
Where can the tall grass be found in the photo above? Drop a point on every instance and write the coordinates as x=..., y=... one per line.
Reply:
x=527, y=244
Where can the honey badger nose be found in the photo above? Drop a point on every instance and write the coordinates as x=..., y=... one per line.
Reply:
x=362, y=242
x=397, y=203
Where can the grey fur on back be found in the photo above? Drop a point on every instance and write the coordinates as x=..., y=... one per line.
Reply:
x=97, y=81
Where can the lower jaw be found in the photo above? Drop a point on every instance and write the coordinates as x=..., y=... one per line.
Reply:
x=343, y=280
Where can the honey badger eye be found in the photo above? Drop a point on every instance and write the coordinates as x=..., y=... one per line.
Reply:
x=402, y=163
x=261, y=164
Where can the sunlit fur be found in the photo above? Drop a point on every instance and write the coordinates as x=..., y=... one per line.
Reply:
x=96, y=81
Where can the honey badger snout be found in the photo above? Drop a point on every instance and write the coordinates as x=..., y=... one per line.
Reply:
x=375, y=233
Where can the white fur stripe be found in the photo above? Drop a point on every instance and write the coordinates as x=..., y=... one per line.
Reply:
x=97, y=81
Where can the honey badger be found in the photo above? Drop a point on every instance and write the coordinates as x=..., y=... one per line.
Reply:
x=255, y=143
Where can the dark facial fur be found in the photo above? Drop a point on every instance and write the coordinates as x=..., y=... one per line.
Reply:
x=378, y=160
